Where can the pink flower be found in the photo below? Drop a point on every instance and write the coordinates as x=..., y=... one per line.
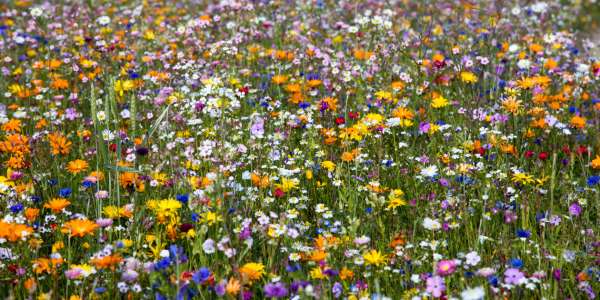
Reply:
x=513, y=276
x=104, y=222
x=362, y=240
x=71, y=114
x=485, y=272
x=435, y=286
x=446, y=267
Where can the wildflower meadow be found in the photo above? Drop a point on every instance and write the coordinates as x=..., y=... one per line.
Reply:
x=362, y=150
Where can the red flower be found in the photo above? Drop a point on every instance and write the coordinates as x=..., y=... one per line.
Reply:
x=567, y=149
x=528, y=154
x=340, y=121
x=480, y=151
x=582, y=151
x=279, y=193
x=113, y=147
x=13, y=269
x=353, y=115
x=543, y=156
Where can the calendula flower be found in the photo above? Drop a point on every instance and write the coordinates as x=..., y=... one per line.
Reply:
x=252, y=271
x=79, y=228
x=77, y=166
x=57, y=205
x=108, y=262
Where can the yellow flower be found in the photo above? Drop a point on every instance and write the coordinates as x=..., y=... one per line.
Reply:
x=209, y=218
x=375, y=258
x=287, y=184
x=523, y=178
x=468, y=77
x=308, y=174
x=330, y=166
x=317, y=273
x=395, y=202
x=149, y=35
x=439, y=102
x=168, y=208
x=121, y=86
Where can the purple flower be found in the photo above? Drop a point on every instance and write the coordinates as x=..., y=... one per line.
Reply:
x=575, y=209
x=424, y=127
x=258, y=129
x=275, y=290
x=337, y=289
x=513, y=276
x=435, y=286
x=130, y=275
x=556, y=274
x=220, y=289
x=71, y=114
x=298, y=284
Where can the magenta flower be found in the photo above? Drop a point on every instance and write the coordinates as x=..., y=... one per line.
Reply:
x=513, y=276
x=575, y=209
x=424, y=127
x=435, y=286
x=446, y=267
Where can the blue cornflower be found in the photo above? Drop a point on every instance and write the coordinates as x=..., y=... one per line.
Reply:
x=65, y=192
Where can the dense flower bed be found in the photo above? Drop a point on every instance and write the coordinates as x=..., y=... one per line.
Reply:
x=298, y=150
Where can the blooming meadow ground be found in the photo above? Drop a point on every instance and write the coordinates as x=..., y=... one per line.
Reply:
x=299, y=150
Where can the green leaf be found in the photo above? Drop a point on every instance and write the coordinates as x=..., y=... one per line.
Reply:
x=103, y=152
x=121, y=168
x=154, y=126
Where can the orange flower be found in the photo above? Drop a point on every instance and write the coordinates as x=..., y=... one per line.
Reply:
x=77, y=166
x=258, y=182
x=314, y=83
x=296, y=98
x=57, y=205
x=346, y=274
x=15, y=162
x=526, y=83
x=318, y=256
x=12, y=125
x=279, y=79
x=293, y=88
x=60, y=83
x=31, y=214
x=41, y=123
x=578, y=122
x=403, y=113
x=14, y=232
x=59, y=144
x=252, y=271
x=98, y=174
x=44, y=264
x=79, y=228
x=108, y=262
x=347, y=157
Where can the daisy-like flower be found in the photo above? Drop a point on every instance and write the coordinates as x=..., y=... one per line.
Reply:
x=36, y=12
x=429, y=171
x=362, y=240
x=431, y=224
x=105, y=20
